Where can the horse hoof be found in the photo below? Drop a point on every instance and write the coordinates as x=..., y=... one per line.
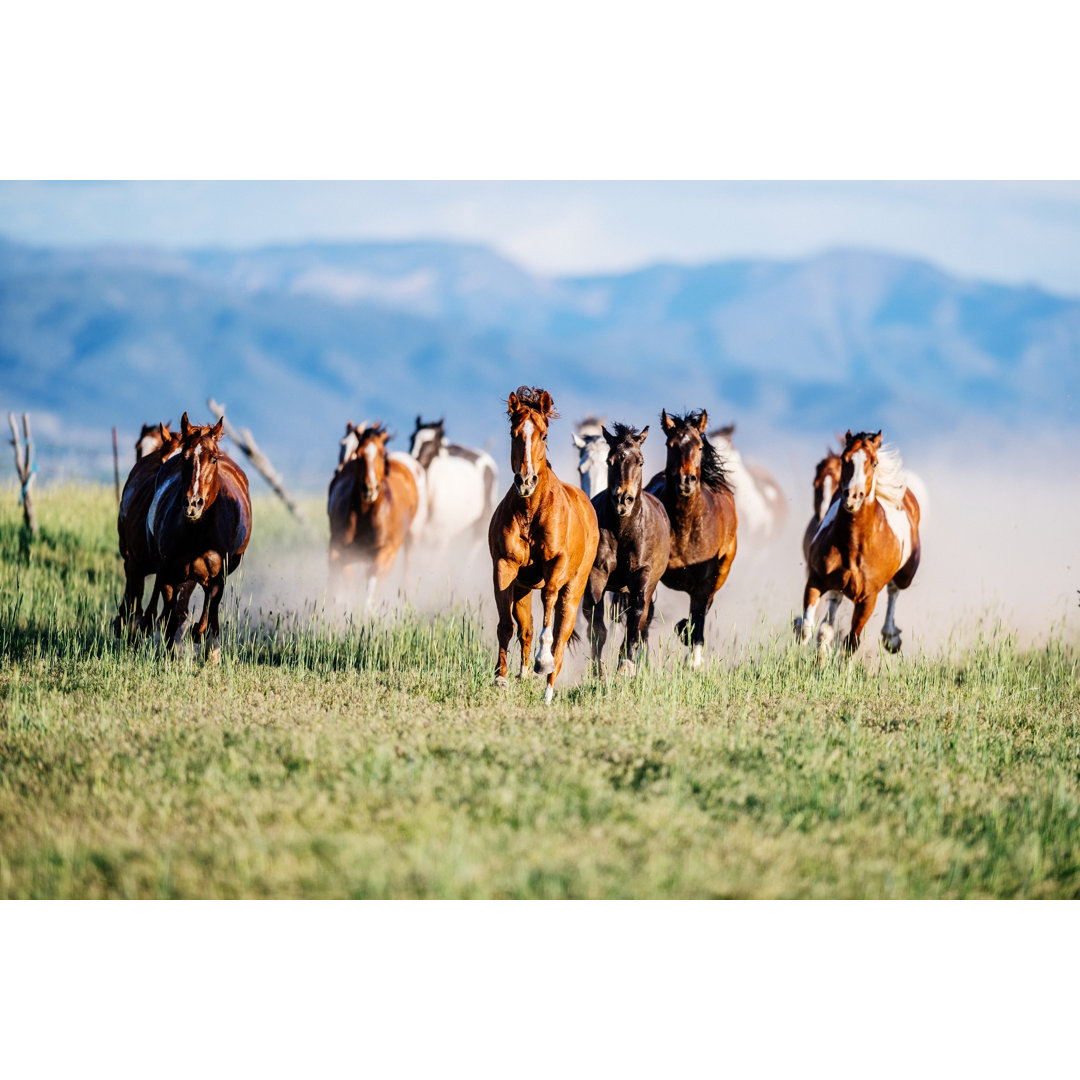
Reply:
x=825, y=636
x=501, y=682
x=549, y=693
x=544, y=665
x=214, y=655
x=627, y=667
x=891, y=641
x=695, y=658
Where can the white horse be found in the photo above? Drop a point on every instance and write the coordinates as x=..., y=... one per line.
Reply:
x=350, y=443
x=461, y=484
x=759, y=500
x=592, y=468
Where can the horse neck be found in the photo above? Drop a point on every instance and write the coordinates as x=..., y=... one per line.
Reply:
x=855, y=528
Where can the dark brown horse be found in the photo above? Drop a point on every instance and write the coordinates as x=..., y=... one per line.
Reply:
x=371, y=503
x=701, y=507
x=198, y=527
x=151, y=438
x=633, y=551
x=868, y=540
x=826, y=488
x=543, y=535
x=135, y=501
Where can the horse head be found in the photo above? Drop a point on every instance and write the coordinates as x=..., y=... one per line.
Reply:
x=530, y=410
x=826, y=482
x=624, y=465
x=371, y=454
x=859, y=462
x=686, y=448
x=427, y=440
x=592, y=462
x=350, y=441
x=199, y=456
x=152, y=437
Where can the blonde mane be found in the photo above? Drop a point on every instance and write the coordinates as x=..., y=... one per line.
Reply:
x=890, y=481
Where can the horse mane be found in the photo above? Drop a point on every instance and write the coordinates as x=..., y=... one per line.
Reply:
x=622, y=431
x=529, y=396
x=713, y=473
x=890, y=479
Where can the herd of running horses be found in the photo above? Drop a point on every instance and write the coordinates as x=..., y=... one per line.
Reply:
x=185, y=517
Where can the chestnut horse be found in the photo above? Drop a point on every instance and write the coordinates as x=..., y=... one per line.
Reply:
x=826, y=488
x=135, y=501
x=867, y=541
x=701, y=507
x=543, y=535
x=198, y=527
x=632, y=555
x=372, y=503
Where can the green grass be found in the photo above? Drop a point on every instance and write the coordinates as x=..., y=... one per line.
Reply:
x=378, y=761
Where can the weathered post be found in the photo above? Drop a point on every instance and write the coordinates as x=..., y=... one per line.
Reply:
x=246, y=441
x=26, y=468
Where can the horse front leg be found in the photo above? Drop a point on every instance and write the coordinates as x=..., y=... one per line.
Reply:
x=503, y=573
x=636, y=615
x=890, y=632
x=827, y=630
x=804, y=624
x=180, y=614
x=545, y=659
x=860, y=617
x=592, y=607
x=566, y=609
x=524, y=619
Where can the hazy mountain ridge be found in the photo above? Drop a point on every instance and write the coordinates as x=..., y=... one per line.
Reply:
x=298, y=339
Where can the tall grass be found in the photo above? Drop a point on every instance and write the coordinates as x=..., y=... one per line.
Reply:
x=372, y=757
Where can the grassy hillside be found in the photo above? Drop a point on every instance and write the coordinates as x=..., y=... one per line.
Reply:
x=376, y=760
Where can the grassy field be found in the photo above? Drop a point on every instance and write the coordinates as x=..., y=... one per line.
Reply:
x=376, y=760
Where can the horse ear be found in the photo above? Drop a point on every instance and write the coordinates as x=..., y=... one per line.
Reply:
x=348, y=427
x=876, y=440
x=185, y=427
x=643, y=434
x=165, y=432
x=419, y=422
x=665, y=421
x=217, y=429
x=512, y=403
x=546, y=404
x=442, y=421
x=608, y=437
x=847, y=436
x=703, y=421
x=579, y=442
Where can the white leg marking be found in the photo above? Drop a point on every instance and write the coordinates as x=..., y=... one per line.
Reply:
x=545, y=662
x=804, y=627
x=549, y=693
x=695, y=658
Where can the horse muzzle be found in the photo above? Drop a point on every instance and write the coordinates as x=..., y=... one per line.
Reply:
x=853, y=503
x=193, y=509
x=370, y=494
x=624, y=505
x=687, y=484
x=525, y=485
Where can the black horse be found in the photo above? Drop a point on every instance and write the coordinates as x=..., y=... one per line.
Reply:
x=635, y=542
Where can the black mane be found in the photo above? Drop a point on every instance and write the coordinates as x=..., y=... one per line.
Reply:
x=530, y=397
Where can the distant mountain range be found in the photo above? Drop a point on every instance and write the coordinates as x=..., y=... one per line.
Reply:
x=298, y=339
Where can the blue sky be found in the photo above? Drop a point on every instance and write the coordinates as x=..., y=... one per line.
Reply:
x=1016, y=232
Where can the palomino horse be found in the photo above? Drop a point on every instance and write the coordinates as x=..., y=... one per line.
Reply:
x=135, y=502
x=372, y=503
x=593, y=448
x=543, y=535
x=198, y=527
x=759, y=501
x=151, y=438
x=632, y=555
x=701, y=507
x=460, y=484
x=868, y=540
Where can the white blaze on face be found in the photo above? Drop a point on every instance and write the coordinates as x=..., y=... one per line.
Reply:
x=370, y=452
x=857, y=484
x=527, y=434
x=147, y=445
x=196, y=468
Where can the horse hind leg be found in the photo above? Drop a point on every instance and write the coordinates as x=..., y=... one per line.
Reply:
x=890, y=632
x=827, y=629
x=524, y=619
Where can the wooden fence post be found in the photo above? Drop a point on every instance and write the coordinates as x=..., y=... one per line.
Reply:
x=26, y=467
x=246, y=441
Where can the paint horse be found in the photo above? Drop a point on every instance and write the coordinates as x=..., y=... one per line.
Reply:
x=151, y=438
x=372, y=503
x=633, y=551
x=701, y=507
x=543, y=535
x=348, y=448
x=198, y=528
x=826, y=488
x=759, y=500
x=135, y=502
x=460, y=484
x=867, y=541
x=593, y=449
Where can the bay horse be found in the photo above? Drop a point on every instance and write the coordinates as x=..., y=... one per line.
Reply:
x=151, y=438
x=460, y=483
x=592, y=466
x=372, y=503
x=759, y=500
x=138, y=494
x=198, y=528
x=543, y=535
x=633, y=550
x=704, y=521
x=867, y=541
